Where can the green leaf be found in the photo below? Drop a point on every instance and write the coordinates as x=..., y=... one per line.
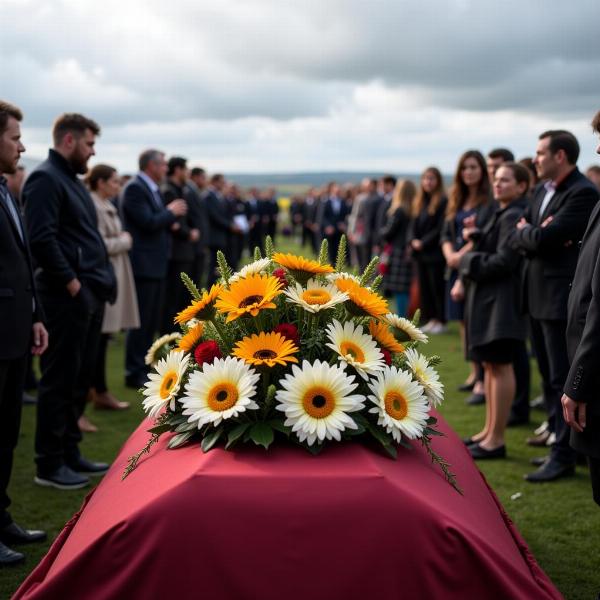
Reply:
x=236, y=433
x=384, y=439
x=315, y=449
x=262, y=434
x=211, y=438
x=190, y=285
x=269, y=247
x=430, y=431
x=186, y=427
x=158, y=429
x=324, y=252
x=431, y=421
x=257, y=255
x=179, y=440
x=277, y=425
x=340, y=261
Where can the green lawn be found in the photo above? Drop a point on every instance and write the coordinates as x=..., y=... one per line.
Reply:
x=559, y=520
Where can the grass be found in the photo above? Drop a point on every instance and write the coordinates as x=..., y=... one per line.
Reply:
x=559, y=520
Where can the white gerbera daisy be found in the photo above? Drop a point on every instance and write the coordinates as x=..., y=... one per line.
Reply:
x=355, y=348
x=258, y=266
x=152, y=355
x=316, y=399
x=400, y=404
x=332, y=277
x=426, y=375
x=219, y=391
x=315, y=296
x=162, y=386
x=404, y=330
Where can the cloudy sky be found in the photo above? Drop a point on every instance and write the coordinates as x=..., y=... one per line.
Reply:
x=296, y=85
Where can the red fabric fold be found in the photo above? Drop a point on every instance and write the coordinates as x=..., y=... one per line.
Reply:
x=350, y=523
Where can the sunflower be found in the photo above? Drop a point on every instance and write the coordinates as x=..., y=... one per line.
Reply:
x=258, y=266
x=426, y=375
x=191, y=337
x=400, y=404
x=301, y=268
x=384, y=336
x=162, y=386
x=248, y=296
x=404, y=330
x=315, y=297
x=268, y=349
x=316, y=400
x=361, y=301
x=355, y=348
x=219, y=391
x=160, y=347
x=203, y=308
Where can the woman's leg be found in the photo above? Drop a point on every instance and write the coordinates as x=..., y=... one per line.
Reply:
x=502, y=390
x=482, y=435
x=472, y=375
x=402, y=300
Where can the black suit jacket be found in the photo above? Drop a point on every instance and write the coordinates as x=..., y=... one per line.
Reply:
x=182, y=249
x=552, y=251
x=148, y=223
x=219, y=220
x=63, y=231
x=330, y=218
x=17, y=290
x=583, y=337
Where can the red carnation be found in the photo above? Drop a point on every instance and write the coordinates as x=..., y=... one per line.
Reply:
x=386, y=356
x=206, y=352
x=288, y=331
x=280, y=274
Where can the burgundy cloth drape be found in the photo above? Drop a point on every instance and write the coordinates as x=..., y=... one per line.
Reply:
x=348, y=524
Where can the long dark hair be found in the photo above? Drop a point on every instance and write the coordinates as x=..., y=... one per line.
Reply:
x=436, y=195
x=460, y=192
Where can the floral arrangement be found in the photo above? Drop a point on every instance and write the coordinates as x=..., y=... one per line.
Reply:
x=295, y=348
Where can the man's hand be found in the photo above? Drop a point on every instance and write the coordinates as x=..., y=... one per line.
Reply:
x=547, y=221
x=416, y=245
x=454, y=260
x=194, y=235
x=40, y=339
x=522, y=223
x=329, y=230
x=178, y=207
x=457, y=293
x=574, y=413
x=73, y=287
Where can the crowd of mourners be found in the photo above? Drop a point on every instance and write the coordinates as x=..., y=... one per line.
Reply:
x=96, y=252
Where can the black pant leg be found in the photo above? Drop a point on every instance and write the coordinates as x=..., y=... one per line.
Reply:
x=539, y=345
x=12, y=381
x=198, y=269
x=594, y=464
x=425, y=292
x=521, y=367
x=212, y=275
x=438, y=290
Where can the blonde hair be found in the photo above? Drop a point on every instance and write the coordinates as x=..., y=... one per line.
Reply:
x=404, y=194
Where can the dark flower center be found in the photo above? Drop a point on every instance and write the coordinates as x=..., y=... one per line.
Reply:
x=250, y=300
x=319, y=401
x=265, y=354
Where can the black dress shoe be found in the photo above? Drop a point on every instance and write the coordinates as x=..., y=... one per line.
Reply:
x=538, y=461
x=468, y=441
x=550, y=471
x=475, y=399
x=480, y=453
x=62, y=478
x=9, y=557
x=466, y=387
x=83, y=466
x=15, y=534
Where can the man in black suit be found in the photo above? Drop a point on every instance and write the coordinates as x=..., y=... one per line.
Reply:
x=255, y=215
x=20, y=327
x=581, y=399
x=548, y=235
x=75, y=279
x=185, y=233
x=197, y=189
x=334, y=216
x=149, y=222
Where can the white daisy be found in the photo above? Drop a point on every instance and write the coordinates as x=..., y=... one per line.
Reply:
x=355, y=348
x=315, y=296
x=400, y=404
x=152, y=355
x=219, y=391
x=258, y=266
x=331, y=277
x=404, y=330
x=162, y=386
x=426, y=375
x=316, y=399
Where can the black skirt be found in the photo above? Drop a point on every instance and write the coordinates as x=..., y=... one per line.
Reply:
x=500, y=351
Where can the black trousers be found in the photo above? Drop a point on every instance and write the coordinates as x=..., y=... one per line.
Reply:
x=550, y=344
x=150, y=298
x=74, y=328
x=594, y=464
x=522, y=369
x=198, y=268
x=12, y=381
x=432, y=289
x=176, y=295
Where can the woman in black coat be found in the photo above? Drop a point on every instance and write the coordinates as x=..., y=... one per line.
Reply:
x=397, y=264
x=494, y=325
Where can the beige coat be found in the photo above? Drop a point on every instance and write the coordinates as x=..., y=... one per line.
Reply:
x=124, y=313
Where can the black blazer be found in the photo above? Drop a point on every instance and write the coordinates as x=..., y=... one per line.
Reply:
x=583, y=337
x=63, y=231
x=148, y=223
x=428, y=229
x=552, y=251
x=330, y=218
x=17, y=290
x=218, y=219
x=492, y=275
x=182, y=249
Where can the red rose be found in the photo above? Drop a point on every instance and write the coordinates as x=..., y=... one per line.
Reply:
x=386, y=356
x=280, y=274
x=206, y=352
x=288, y=331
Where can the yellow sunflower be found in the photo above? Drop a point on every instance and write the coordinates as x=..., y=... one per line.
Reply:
x=203, y=308
x=301, y=269
x=191, y=338
x=384, y=336
x=248, y=296
x=362, y=301
x=266, y=349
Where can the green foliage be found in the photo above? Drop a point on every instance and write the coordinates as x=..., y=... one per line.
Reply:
x=324, y=252
x=262, y=434
x=340, y=261
x=211, y=438
x=370, y=271
x=269, y=247
x=224, y=268
x=190, y=285
x=377, y=283
x=257, y=255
